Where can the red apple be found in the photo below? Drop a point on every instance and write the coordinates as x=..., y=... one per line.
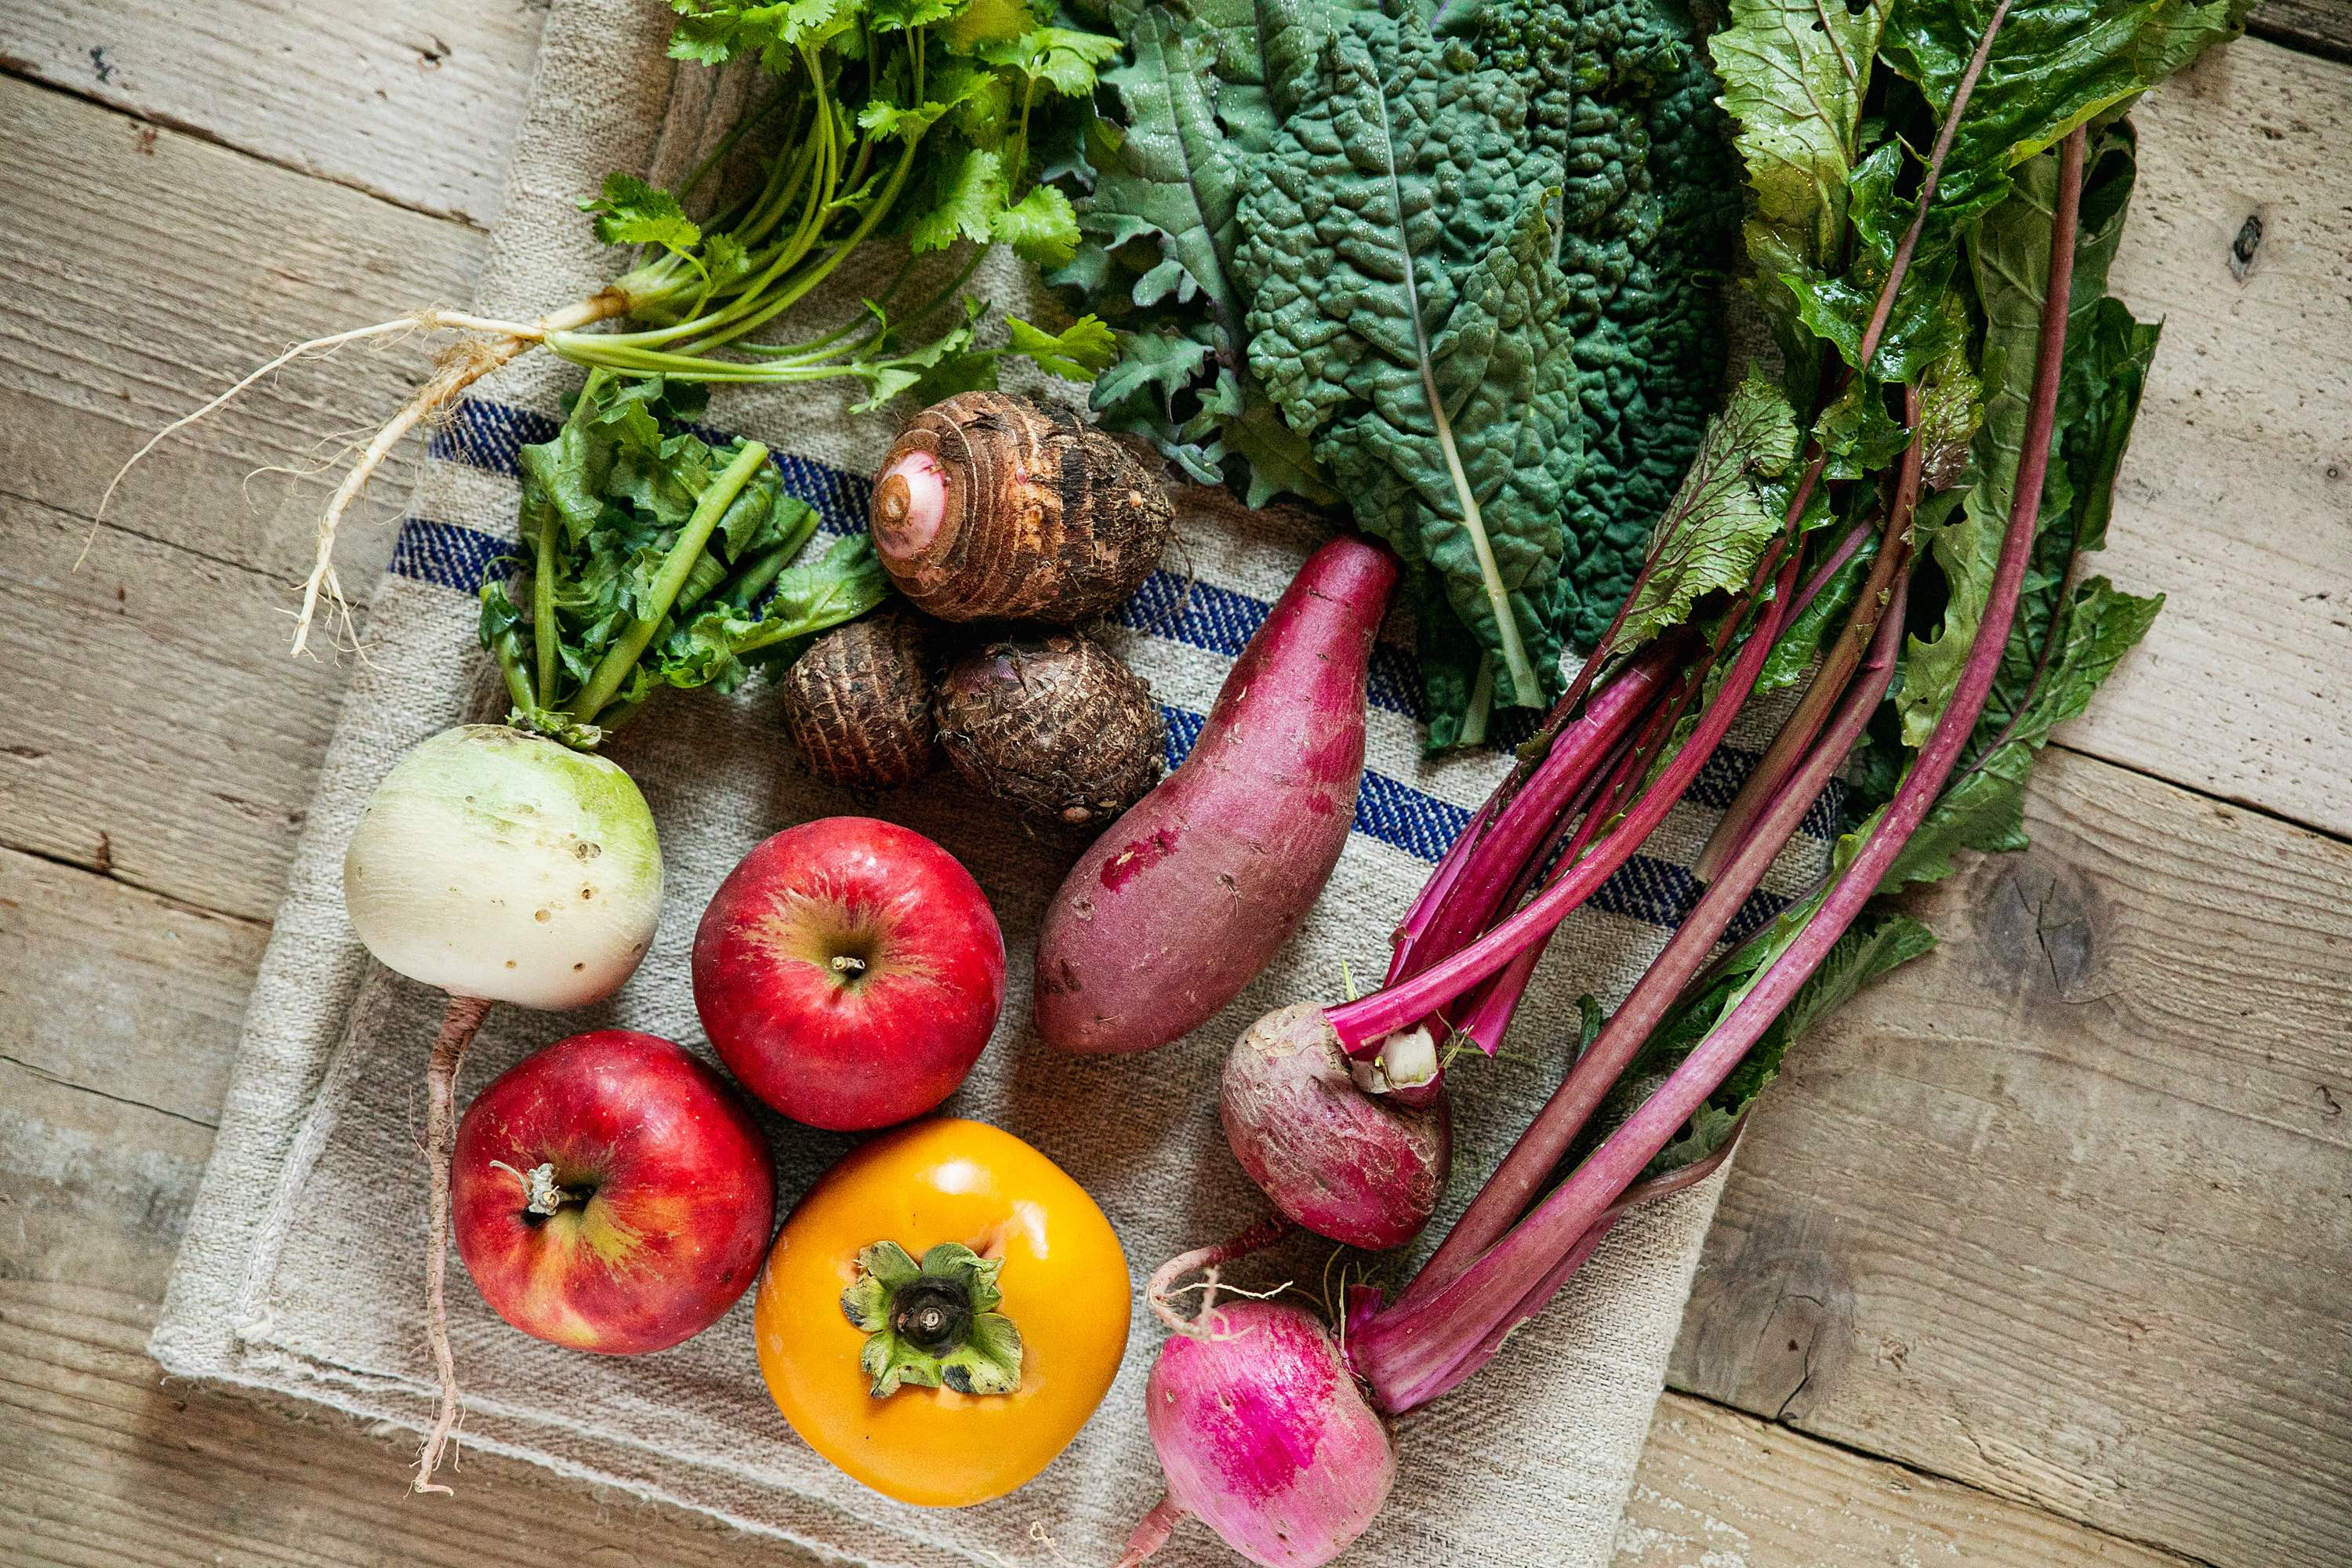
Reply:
x=612, y=1193
x=850, y=971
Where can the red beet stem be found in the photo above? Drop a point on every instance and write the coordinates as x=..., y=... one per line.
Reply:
x=1362, y=1024
x=1415, y=1350
x=1533, y=1158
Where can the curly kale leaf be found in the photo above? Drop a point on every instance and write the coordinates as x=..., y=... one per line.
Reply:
x=1407, y=314
x=1158, y=252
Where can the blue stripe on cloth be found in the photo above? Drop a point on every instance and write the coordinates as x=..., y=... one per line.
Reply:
x=445, y=554
x=490, y=436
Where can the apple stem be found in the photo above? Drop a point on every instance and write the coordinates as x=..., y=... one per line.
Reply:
x=848, y=963
x=459, y=1024
x=540, y=1195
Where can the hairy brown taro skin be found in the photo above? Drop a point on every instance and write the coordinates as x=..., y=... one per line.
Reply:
x=1188, y=896
x=1358, y=1168
x=858, y=703
x=990, y=508
x=1057, y=725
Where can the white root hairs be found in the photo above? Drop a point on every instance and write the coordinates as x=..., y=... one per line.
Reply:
x=315, y=345
x=489, y=343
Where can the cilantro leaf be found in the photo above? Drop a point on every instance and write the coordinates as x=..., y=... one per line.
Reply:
x=972, y=193
x=1041, y=227
x=631, y=212
x=1078, y=353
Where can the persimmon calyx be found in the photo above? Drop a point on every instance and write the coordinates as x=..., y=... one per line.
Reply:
x=933, y=1323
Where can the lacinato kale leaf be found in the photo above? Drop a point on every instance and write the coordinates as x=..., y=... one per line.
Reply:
x=1614, y=99
x=1407, y=315
x=1620, y=95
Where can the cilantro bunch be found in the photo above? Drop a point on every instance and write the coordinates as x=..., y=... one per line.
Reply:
x=930, y=121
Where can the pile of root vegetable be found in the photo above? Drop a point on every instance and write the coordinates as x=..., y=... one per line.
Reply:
x=1456, y=275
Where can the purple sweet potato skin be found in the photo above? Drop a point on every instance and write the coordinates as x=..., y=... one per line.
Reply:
x=1188, y=895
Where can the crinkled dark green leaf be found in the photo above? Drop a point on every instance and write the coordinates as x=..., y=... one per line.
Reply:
x=1428, y=357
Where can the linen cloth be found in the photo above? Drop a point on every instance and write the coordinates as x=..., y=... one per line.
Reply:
x=301, y=1272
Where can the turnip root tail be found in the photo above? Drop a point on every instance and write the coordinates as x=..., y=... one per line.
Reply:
x=487, y=345
x=495, y=345
x=1151, y=1531
x=457, y=1027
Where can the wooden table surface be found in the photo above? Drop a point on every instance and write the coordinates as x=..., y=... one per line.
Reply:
x=2038, y=1256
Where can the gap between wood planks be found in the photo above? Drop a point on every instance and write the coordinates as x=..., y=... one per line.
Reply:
x=22, y=71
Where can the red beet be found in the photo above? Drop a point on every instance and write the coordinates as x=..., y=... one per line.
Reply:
x=1361, y=1168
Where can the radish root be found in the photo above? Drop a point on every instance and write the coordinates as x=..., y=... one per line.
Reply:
x=459, y=1024
x=1151, y=1531
x=460, y=365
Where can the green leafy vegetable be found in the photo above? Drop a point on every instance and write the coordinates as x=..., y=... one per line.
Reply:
x=1720, y=522
x=654, y=560
x=1428, y=357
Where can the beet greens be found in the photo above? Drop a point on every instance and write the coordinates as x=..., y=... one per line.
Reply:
x=1897, y=524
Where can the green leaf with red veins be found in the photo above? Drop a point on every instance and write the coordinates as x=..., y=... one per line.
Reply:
x=1721, y=520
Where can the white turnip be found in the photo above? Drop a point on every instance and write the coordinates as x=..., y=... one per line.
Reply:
x=499, y=866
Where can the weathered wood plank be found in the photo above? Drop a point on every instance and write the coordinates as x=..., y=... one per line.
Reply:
x=118, y=1015
x=2321, y=27
x=2064, y=1211
x=156, y=730
x=109, y=1465
x=416, y=100
x=2236, y=498
x=1720, y=1489
x=157, y=725
x=147, y=274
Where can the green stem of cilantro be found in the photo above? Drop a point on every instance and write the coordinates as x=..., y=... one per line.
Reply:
x=621, y=657
x=542, y=598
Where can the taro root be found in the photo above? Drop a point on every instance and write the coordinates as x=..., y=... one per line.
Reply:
x=858, y=703
x=989, y=508
x=1058, y=726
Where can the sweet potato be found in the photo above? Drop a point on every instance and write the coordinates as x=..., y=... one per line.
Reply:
x=1180, y=905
